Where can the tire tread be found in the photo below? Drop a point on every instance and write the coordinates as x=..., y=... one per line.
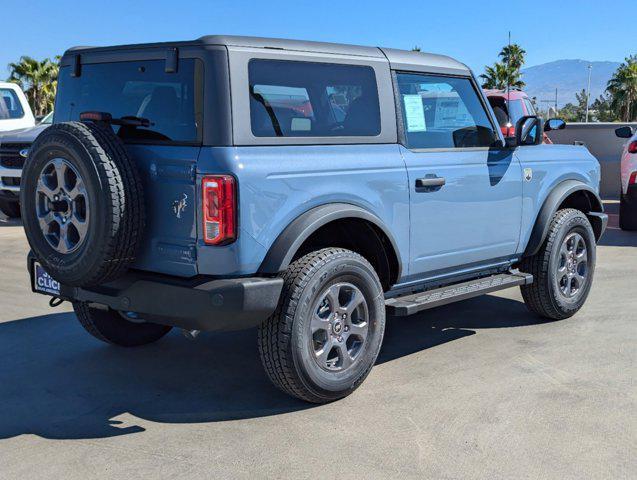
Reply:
x=537, y=296
x=275, y=334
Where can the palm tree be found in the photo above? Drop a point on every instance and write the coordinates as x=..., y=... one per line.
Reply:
x=623, y=89
x=499, y=76
x=38, y=79
x=506, y=72
x=513, y=55
x=494, y=77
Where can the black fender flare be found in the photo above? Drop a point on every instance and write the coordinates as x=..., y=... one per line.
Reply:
x=286, y=245
x=553, y=201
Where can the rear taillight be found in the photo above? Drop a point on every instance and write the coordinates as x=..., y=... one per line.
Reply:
x=219, y=209
x=633, y=179
x=508, y=130
x=632, y=148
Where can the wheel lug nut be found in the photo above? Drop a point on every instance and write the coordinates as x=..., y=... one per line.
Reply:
x=344, y=316
x=346, y=328
x=340, y=339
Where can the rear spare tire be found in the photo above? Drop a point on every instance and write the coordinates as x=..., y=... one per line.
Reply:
x=82, y=203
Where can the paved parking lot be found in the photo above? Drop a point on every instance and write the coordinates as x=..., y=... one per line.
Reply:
x=480, y=389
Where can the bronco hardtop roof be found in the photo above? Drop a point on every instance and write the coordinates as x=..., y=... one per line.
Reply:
x=397, y=58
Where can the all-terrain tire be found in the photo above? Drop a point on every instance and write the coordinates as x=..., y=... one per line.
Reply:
x=628, y=212
x=114, y=198
x=286, y=344
x=544, y=296
x=109, y=326
x=9, y=208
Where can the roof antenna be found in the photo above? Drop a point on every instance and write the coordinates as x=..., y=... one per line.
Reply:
x=508, y=77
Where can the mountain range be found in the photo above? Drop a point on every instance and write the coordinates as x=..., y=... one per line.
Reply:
x=569, y=77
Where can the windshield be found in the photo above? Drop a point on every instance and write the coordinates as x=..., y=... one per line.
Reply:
x=170, y=101
x=10, y=107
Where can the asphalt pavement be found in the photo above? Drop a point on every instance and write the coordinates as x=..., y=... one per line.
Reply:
x=480, y=389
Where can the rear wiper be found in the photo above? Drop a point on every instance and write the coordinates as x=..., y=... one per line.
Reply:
x=105, y=117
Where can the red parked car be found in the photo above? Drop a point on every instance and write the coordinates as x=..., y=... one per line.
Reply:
x=509, y=108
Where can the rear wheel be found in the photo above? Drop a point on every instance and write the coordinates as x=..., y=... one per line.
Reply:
x=563, y=268
x=9, y=208
x=628, y=211
x=324, y=338
x=110, y=326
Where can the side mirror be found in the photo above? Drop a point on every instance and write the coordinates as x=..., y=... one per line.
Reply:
x=625, y=132
x=554, y=124
x=528, y=131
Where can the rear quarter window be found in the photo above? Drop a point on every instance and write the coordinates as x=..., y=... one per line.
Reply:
x=306, y=99
x=171, y=101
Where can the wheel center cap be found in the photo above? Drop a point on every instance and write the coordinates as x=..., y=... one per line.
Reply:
x=337, y=327
x=63, y=205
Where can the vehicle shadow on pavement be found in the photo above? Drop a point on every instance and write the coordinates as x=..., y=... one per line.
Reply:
x=59, y=383
x=9, y=222
x=407, y=335
x=614, y=236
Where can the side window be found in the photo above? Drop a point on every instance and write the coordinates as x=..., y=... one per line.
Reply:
x=304, y=99
x=443, y=112
x=530, y=109
x=10, y=107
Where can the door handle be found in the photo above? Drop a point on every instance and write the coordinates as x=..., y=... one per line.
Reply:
x=430, y=183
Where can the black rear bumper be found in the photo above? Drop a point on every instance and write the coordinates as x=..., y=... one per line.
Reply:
x=193, y=304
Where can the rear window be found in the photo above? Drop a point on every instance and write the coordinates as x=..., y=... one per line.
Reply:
x=171, y=101
x=10, y=107
x=516, y=110
x=530, y=109
x=304, y=99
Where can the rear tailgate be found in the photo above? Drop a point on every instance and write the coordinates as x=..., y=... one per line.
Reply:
x=168, y=176
x=165, y=148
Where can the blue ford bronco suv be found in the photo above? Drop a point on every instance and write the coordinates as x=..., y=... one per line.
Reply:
x=306, y=189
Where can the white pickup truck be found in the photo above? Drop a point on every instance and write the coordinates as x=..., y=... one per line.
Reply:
x=15, y=112
x=16, y=121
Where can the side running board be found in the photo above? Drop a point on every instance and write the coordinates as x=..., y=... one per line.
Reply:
x=414, y=303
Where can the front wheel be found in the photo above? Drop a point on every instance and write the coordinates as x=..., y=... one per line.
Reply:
x=563, y=268
x=324, y=337
x=110, y=326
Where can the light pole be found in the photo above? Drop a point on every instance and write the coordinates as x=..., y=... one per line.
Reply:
x=554, y=102
x=588, y=92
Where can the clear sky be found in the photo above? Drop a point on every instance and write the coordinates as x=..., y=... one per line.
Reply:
x=472, y=31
